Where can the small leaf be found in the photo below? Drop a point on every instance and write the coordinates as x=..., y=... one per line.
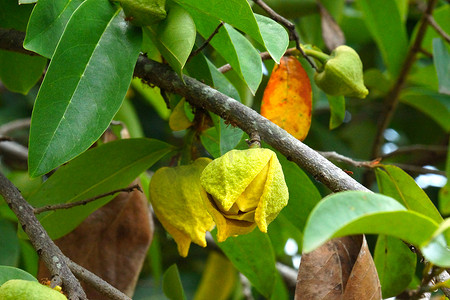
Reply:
x=442, y=64
x=174, y=37
x=396, y=265
x=395, y=183
x=84, y=86
x=337, y=109
x=253, y=256
x=47, y=23
x=171, y=284
x=99, y=170
x=178, y=119
x=287, y=98
x=20, y=72
x=8, y=273
x=437, y=250
x=355, y=212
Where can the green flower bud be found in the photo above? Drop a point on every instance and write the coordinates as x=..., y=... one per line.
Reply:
x=342, y=74
x=144, y=12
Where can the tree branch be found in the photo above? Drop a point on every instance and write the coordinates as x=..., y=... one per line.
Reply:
x=50, y=254
x=438, y=28
x=12, y=40
x=203, y=46
x=129, y=189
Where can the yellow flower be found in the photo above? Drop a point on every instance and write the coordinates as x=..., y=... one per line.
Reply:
x=178, y=201
x=246, y=188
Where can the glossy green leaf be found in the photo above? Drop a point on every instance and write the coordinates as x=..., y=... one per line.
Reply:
x=238, y=13
x=395, y=183
x=337, y=110
x=437, y=250
x=441, y=58
x=233, y=47
x=171, y=284
x=395, y=263
x=387, y=30
x=222, y=84
x=253, y=256
x=20, y=72
x=9, y=246
x=85, y=84
x=433, y=104
x=355, y=212
x=13, y=15
x=8, y=273
x=47, y=23
x=100, y=170
x=174, y=36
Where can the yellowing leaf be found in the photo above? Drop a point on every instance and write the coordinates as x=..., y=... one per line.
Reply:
x=287, y=98
x=178, y=119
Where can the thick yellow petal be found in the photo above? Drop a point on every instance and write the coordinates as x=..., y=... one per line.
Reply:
x=275, y=195
x=250, y=198
x=177, y=198
x=182, y=239
x=227, y=227
x=228, y=176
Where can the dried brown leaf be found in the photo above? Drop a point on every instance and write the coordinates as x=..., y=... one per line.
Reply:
x=112, y=242
x=331, y=32
x=341, y=269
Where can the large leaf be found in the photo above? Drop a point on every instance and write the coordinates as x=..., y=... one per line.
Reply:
x=388, y=31
x=396, y=265
x=433, y=104
x=8, y=273
x=253, y=256
x=174, y=37
x=239, y=14
x=395, y=183
x=233, y=47
x=105, y=168
x=85, y=84
x=20, y=72
x=47, y=23
x=355, y=212
x=442, y=64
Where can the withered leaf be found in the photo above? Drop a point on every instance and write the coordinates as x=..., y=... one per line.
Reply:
x=331, y=32
x=340, y=269
x=112, y=242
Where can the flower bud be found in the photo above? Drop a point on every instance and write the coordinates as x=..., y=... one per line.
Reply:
x=246, y=188
x=178, y=201
x=342, y=74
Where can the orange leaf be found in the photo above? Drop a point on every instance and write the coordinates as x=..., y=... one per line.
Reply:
x=287, y=98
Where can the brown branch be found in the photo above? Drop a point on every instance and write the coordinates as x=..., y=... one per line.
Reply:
x=203, y=96
x=50, y=254
x=12, y=40
x=392, y=98
x=436, y=149
x=129, y=189
x=293, y=34
x=206, y=43
x=438, y=28
x=96, y=282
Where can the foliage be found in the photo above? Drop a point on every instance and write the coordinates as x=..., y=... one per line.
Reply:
x=92, y=47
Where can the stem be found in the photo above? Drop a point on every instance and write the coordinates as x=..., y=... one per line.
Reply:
x=320, y=56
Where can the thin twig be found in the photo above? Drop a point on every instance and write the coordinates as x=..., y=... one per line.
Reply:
x=438, y=28
x=86, y=201
x=96, y=282
x=203, y=46
x=436, y=149
x=12, y=40
x=50, y=254
x=392, y=98
x=15, y=125
x=293, y=34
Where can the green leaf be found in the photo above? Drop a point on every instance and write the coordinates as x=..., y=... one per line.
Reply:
x=395, y=183
x=437, y=250
x=20, y=72
x=222, y=84
x=13, y=15
x=433, y=104
x=174, y=37
x=233, y=47
x=253, y=256
x=47, y=23
x=238, y=13
x=444, y=193
x=356, y=212
x=8, y=273
x=440, y=15
x=171, y=284
x=387, y=30
x=100, y=170
x=337, y=109
x=395, y=263
x=85, y=84
x=198, y=68
x=153, y=96
x=442, y=64
x=128, y=116
x=9, y=246
x=27, y=1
